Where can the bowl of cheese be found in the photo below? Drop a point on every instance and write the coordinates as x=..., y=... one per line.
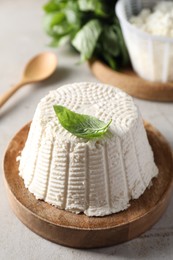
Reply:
x=148, y=31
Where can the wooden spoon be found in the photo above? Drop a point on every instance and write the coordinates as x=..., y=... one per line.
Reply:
x=37, y=69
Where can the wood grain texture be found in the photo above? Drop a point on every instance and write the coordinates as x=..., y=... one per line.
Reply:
x=129, y=82
x=80, y=231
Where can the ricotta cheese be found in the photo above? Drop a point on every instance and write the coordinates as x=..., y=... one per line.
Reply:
x=156, y=22
x=98, y=176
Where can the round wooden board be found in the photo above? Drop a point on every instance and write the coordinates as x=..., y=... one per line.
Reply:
x=129, y=82
x=80, y=231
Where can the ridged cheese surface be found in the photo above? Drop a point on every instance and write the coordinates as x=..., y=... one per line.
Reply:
x=98, y=176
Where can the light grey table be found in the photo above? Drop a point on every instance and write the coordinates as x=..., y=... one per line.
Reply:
x=21, y=36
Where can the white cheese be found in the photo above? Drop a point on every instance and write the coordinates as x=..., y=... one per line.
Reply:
x=97, y=177
x=156, y=22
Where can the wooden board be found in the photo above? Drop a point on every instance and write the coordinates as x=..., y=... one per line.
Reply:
x=80, y=231
x=129, y=82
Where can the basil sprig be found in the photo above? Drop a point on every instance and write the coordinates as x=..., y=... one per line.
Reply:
x=90, y=26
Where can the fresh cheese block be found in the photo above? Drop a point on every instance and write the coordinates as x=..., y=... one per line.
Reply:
x=98, y=176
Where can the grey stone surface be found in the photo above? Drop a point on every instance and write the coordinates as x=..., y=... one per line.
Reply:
x=21, y=37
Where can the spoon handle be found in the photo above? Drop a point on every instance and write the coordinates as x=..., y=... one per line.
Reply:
x=6, y=96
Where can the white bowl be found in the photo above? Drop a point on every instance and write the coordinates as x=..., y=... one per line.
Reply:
x=151, y=56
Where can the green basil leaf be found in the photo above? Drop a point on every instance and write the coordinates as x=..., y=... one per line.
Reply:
x=124, y=52
x=51, y=20
x=110, y=41
x=55, y=5
x=110, y=60
x=98, y=7
x=59, y=41
x=80, y=125
x=85, y=40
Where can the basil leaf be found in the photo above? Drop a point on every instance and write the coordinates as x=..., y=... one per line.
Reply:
x=124, y=52
x=111, y=45
x=80, y=125
x=55, y=5
x=85, y=40
x=59, y=41
x=51, y=20
x=110, y=60
x=98, y=7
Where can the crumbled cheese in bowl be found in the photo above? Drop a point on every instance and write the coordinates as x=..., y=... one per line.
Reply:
x=149, y=37
x=158, y=21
